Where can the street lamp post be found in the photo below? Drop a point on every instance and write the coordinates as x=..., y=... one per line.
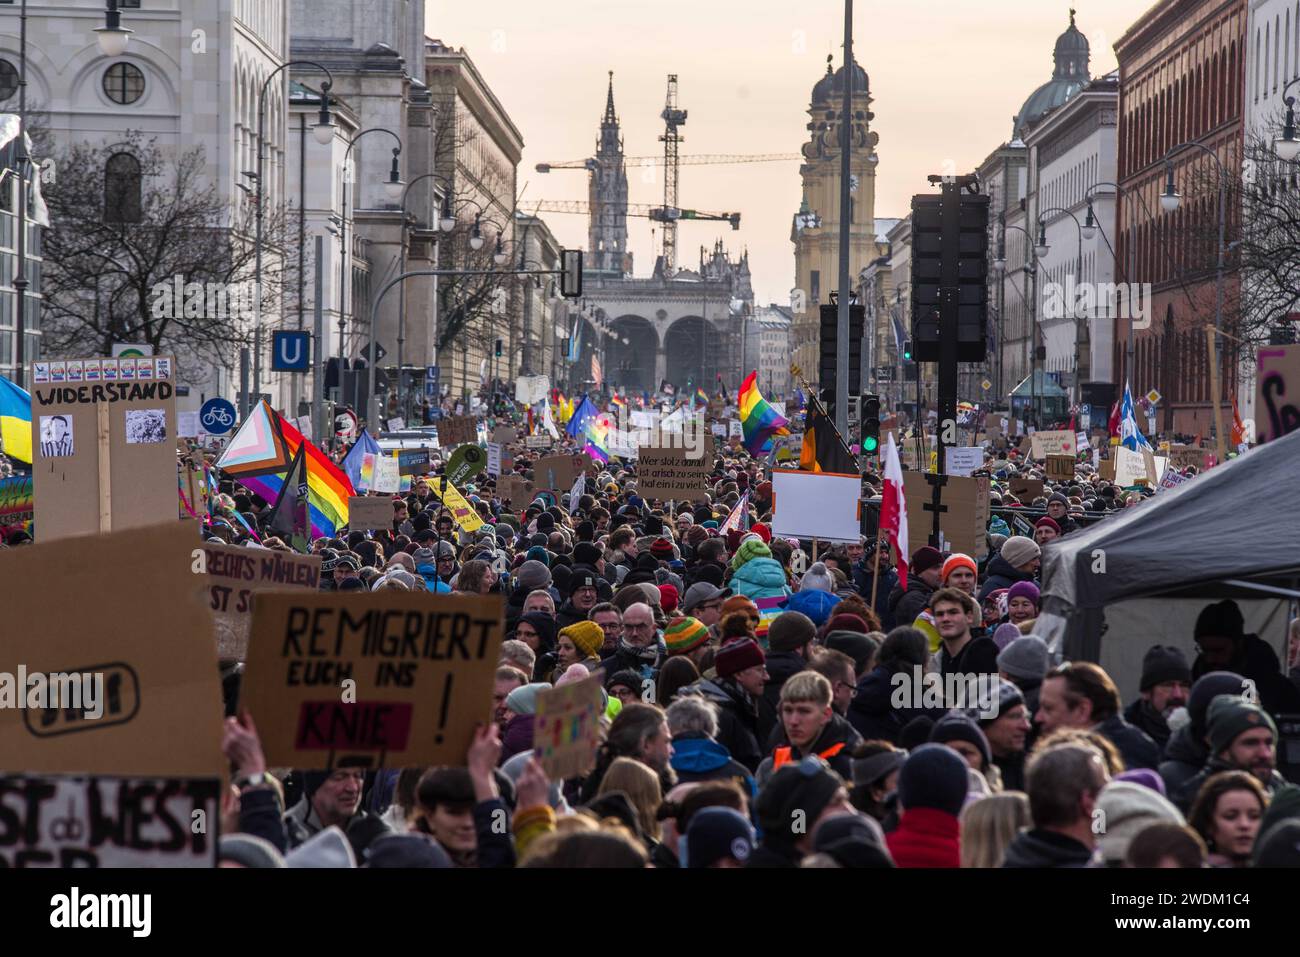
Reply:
x=1170, y=201
x=20, y=155
x=323, y=132
x=1041, y=250
x=443, y=223
x=1031, y=274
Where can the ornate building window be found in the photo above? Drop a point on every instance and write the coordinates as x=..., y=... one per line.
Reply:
x=123, y=83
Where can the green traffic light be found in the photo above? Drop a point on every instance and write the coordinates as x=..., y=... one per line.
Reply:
x=870, y=444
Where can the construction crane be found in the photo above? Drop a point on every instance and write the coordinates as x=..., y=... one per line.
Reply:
x=661, y=214
x=674, y=118
x=702, y=159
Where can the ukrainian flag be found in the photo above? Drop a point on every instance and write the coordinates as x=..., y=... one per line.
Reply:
x=15, y=421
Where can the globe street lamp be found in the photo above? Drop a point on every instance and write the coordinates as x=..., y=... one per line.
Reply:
x=112, y=36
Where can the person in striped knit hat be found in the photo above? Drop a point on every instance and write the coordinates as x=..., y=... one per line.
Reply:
x=687, y=637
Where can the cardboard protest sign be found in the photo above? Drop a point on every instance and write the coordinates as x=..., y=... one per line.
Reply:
x=235, y=574
x=1277, y=392
x=412, y=461
x=456, y=429
x=493, y=458
x=963, y=461
x=556, y=473
x=103, y=449
x=418, y=670
x=504, y=435
x=16, y=507
x=719, y=429
x=1058, y=442
x=539, y=441
x=129, y=609
x=1060, y=468
x=963, y=515
x=370, y=513
x=823, y=505
x=1131, y=467
x=1106, y=467
x=567, y=732
x=1026, y=489
x=666, y=473
x=1185, y=456
x=514, y=489
x=79, y=821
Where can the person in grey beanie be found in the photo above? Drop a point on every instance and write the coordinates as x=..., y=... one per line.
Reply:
x=818, y=576
x=1164, y=687
x=1018, y=561
x=529, y=577
x=1024, y=663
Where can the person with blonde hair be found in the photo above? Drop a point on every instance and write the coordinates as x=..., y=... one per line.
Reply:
x=989, y=825
x=640, y=786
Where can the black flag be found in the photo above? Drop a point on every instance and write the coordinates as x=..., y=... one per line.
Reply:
x=287, y=514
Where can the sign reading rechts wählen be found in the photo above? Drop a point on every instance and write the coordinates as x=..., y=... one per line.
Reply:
x=385, y=679
x=103, y=445
x=236, y=574
x=70, y=821
x=666, y=473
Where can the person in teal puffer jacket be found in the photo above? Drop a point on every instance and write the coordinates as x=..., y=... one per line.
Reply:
x=760, y=578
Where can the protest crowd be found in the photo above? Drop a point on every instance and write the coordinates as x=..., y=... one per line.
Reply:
x=759, y=699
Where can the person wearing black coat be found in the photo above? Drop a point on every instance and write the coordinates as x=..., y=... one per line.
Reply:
x=781, y=666
x=872, y=712
x=1000, y=574
x=737, y=718
x=924, y=575
x=1186, y=753
x=1224, y=646
x=864, y=572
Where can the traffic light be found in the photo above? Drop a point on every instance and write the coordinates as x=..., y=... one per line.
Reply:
x=869, y=423
x=907, y=351
x=498, y=348
x=967, y=243
x=828, y=358
x=571, y=273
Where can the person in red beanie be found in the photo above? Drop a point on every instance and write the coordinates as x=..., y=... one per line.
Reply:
x=741, y=669
x=668, y=599
x=763, y=532
x=1045, y=530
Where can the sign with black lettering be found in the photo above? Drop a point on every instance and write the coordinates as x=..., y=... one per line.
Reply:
x=386, y=679
x=236, y=573
x=1060, y=468
x=103, y=445
x=667, y=474
x=1277, y=392
x=130, y=610
x=108, y=821
x=455, y=429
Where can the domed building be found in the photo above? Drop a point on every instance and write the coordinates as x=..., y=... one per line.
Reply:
x=815, y=228
x=1069, y=76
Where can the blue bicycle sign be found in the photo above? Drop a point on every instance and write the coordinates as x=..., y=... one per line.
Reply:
x=217, y=416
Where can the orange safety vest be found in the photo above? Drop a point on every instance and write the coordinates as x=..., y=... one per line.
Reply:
x=781, y=756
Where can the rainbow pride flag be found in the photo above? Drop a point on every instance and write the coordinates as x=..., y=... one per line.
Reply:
x=259, y=457
x=702, y=396
x=597, y=435
x=758, y=421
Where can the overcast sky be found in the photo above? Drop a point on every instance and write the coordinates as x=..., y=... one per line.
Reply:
x=947, y=76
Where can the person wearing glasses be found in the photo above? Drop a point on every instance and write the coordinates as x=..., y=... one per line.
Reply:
x=639, y=649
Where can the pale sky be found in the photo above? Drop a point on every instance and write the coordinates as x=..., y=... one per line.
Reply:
x=947, y=76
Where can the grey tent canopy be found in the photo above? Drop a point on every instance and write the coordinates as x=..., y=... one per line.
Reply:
x=1232, y=531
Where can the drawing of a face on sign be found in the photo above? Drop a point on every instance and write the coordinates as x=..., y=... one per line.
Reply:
x=56, y=436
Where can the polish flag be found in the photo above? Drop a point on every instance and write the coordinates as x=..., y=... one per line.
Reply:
x=893, y=509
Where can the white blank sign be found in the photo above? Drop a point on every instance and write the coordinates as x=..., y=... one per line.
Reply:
x=816, y=505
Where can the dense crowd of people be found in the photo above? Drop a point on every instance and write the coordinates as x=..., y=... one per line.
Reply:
x=752, y=699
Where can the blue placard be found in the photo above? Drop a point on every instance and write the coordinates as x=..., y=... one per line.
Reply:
x=290, y=351
x=217, y=416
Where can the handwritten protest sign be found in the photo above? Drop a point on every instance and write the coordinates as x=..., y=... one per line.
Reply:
x=16, y=506
x=80, y=821
x=494, y=458
x=130, y=611
x=235, y=574
x=568, y=728
x=505, y=435
x=386, y=679
x=387, y=477
x=370, y=512
x=666, y=473
x=963, y=461
x=103, y=445
x=539, y=441
x=1058, y=442
x=1184, y=456
x=456, y=429
x=1277, y=392
x=1060, y=468
x=1132, y=467
x=556, y=473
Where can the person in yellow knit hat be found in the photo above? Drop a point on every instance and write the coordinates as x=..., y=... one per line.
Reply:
x=579, y=644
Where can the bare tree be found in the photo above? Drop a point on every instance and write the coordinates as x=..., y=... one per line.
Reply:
x=128, y=220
